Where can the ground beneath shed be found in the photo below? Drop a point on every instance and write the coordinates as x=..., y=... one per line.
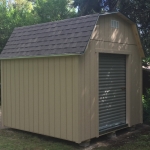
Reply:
x=123, y=137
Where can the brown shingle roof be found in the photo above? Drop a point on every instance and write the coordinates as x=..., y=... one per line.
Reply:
x=68, y=36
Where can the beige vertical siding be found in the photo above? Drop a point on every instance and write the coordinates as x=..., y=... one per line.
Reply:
x=136, y=106
x=2, y=94
x=26, y=95
x=41, y=96
x=104, y=32
x=108, y=40
x=88, y=94
x=134, y=80
x=123, y=41
x=69, y=87
x=46, y=112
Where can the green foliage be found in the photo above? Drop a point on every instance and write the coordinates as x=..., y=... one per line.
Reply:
x=139, y=12
x=24, y=12
x=52, y=10
x=146, y=106
x=87, y=6
x=12, y=16
x=95, y=6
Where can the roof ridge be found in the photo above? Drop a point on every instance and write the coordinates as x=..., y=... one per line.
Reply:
x=58, y=21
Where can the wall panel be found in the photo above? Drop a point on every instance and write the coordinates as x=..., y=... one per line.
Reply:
x=36, y=96
x=13, y=95
x=26, y=95
x=21, y=95
x=46, y=111
x=63, y=112
x=134, y=77
x=51, y=96
x=57, y=98
x=75, y=99
x=88, y=97
x=106, y=39
x=8, y=84
x=136, y=97
x=42, y=96
x=69, y=91
x=17, y=92
x=104, y=32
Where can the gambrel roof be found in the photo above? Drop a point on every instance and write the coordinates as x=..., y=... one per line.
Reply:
x=69, y=36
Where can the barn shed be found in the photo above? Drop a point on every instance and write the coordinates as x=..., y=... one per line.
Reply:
x=74, y=79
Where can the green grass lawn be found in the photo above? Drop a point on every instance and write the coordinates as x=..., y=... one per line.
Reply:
x=19, y=140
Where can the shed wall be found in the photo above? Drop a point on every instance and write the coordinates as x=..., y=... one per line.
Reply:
x=41, y=95
x=133, y=84
x=123, y=41
x=88, y=92
x=109, y=40
x=104, y=32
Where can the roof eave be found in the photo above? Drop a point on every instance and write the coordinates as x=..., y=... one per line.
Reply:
x=43, y=56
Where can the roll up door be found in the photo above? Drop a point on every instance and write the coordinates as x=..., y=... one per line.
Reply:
x=112, y=91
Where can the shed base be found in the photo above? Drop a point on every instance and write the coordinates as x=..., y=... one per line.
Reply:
x=112, y=135
x=132, y=128
x=112, y=130
x=85, y=143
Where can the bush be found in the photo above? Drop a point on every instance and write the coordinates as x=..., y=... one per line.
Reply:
x=146, y=106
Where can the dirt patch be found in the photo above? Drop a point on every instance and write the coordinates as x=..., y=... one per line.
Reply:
x=122, y=137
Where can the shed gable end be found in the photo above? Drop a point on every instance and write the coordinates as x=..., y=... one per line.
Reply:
x=116, y=31
x=112, y=28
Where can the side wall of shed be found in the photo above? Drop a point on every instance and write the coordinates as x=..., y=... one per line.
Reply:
x=109, y=40
x=40, y=95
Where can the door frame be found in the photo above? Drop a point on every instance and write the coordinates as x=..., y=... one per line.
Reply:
x=128, y=81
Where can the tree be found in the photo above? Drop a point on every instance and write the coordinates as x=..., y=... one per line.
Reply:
x=11, y=16
x=87, y=6
x=52, y=10
x=3, y=23
x=139, y=12
x=19, y=13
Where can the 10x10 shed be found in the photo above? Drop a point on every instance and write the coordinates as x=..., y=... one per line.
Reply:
x=74, y=79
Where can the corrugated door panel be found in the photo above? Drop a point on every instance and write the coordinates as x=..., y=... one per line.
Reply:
x=112, y=91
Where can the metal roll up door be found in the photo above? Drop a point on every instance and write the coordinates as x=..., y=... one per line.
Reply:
x=112, y=91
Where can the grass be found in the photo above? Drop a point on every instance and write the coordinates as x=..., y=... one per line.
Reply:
x=20, y=140
x=11, y=139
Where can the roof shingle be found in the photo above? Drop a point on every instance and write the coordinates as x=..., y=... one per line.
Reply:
x=69, y=36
